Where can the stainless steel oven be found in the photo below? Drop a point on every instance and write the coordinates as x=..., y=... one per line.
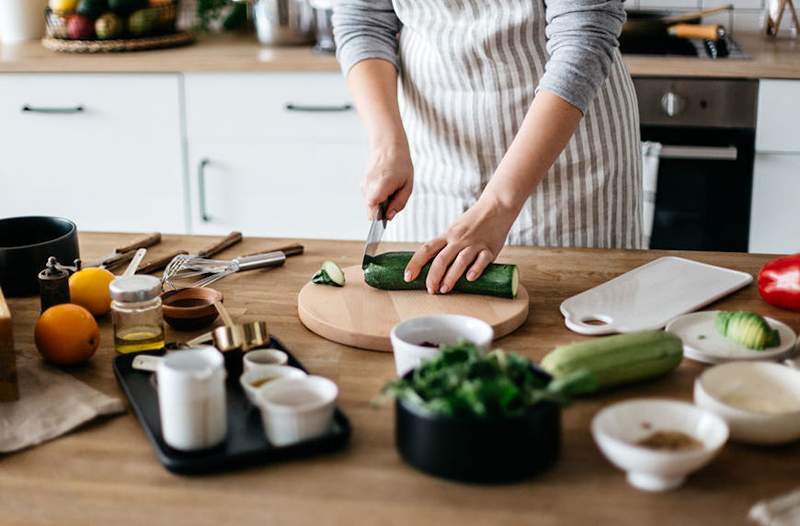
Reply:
x=705, y=175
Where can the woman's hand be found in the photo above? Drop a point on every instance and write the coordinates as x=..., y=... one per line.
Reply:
x=469, y=245
x=390, y=173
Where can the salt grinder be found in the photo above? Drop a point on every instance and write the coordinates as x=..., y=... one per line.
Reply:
x=53, y=284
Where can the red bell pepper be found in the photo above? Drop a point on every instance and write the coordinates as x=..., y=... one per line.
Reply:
x=779, y=282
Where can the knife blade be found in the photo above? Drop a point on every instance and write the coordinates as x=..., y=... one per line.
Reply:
x=375, y=234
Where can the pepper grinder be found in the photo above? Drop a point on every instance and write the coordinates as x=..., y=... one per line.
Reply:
x=53, y=284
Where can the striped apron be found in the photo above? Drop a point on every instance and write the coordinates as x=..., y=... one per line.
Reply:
x=469, y=70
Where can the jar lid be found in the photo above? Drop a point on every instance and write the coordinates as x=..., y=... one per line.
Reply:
x=131, y=289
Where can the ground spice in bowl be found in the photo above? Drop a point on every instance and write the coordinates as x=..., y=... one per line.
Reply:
x=670, y=441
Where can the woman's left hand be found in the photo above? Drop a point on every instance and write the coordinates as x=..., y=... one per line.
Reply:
x=469, y=245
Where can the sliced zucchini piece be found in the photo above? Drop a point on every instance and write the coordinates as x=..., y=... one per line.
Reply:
x=329, y=274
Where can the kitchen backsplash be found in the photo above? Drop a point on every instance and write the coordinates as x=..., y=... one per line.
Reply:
x=745, y=15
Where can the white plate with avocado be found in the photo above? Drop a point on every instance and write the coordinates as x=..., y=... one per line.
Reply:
x=703, y=342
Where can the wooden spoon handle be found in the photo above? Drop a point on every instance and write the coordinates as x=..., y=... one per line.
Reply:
x=149, y=241
x=231, y=239
x=160, y=263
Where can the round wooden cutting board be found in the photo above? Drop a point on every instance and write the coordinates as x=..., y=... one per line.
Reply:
x=361, y=316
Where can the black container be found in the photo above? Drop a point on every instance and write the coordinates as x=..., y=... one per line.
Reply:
x=479, y=450
x=25, y=245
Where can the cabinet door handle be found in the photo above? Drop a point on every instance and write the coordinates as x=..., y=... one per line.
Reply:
x=201, y=190
x=318, y=108
x=700, y=153
x=44, y=109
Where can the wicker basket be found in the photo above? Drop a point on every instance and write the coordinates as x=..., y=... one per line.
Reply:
x=146, y=23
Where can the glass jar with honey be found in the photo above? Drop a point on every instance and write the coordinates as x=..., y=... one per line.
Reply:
x=136, y=312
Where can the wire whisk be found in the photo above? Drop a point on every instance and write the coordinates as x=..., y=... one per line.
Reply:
x=185, y=268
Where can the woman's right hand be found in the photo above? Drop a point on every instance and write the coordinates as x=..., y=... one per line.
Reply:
x=390, y=173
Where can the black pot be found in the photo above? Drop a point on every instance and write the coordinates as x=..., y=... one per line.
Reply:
x=25, y=245
x=479, y=450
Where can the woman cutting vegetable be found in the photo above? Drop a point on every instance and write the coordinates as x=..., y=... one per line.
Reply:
x=516, y=121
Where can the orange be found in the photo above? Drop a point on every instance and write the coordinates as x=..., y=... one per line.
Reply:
x=66, y=334
x=89, y=289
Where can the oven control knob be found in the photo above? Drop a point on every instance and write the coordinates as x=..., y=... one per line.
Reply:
x=673, y=104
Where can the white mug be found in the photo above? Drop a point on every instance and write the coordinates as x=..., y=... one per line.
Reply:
x=191, y=398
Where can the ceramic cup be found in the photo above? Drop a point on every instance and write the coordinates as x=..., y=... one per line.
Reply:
x=296, y=409
x=262, y=357
x=191, y=398
x=442, y=329
x=257, y=378
x=21, y=20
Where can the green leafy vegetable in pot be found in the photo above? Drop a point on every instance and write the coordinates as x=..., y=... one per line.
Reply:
x=329, y=274
x=463, y=382
x=747, y=328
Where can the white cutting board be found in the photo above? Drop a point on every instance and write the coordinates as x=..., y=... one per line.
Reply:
x=649, y=296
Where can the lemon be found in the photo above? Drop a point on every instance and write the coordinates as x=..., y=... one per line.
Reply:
x=63, y=6
x=89, y=289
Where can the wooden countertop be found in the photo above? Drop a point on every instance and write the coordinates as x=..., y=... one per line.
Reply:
x=107, y=473
x=241, y=53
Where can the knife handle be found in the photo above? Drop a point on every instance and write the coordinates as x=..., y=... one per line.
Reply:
x=231, y=239
x=294, y=249
x=160, y=263
x=149, y=241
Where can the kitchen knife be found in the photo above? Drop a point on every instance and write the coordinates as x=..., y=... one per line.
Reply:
x=375, y=234
x=125, y=253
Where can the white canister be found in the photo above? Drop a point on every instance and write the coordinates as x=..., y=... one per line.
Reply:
x=21, y=20
x=191, y=398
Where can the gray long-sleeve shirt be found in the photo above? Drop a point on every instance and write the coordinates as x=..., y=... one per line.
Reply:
x=581, y=39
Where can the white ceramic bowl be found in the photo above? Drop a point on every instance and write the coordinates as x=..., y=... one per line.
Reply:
x=617, y=428
x=731, y=389
x=441, y=329
x=296, y=409
x=257, y=378
x=264, y=357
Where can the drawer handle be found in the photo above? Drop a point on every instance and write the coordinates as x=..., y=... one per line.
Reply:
x=317, y=108
x=700, y=153
x=33, y=109
x=201, y=190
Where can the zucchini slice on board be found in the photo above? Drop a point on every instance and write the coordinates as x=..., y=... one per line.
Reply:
x=385, y=271
x=329, y=274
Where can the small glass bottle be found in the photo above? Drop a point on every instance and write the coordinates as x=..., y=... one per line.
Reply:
x=136, y=312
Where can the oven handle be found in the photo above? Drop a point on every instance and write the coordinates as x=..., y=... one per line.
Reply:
x=716, y=153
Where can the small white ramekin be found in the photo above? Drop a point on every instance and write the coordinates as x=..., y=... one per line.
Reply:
x=264, y=357
x=266, y=374
x=441, y=329
x=296, y=409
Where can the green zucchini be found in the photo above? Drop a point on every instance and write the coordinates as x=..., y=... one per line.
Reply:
x=385, y=271
x=329, y=274
x=618, y=360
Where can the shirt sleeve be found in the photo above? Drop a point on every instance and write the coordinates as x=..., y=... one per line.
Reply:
x=582, y=36
x=365, y=29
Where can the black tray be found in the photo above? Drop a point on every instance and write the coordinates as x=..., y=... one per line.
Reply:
x=245, y=444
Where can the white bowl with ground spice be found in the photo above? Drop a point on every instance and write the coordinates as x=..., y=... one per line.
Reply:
x=658, y=443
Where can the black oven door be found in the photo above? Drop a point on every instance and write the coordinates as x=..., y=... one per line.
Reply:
x=705, y=180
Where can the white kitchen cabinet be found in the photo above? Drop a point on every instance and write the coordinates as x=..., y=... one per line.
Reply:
x=276, y=154
x=774, y=227
x=103, y=150
x=778, y=127
x=288, y=189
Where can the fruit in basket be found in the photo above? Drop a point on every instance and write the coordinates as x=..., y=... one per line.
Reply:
x=108, y=26
x=56, y=25
x=62, y=6
x=143, y=22
x=80, y=27
x=66, y=334
x=91, y=8
x=89, y=289
x=124, y=7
